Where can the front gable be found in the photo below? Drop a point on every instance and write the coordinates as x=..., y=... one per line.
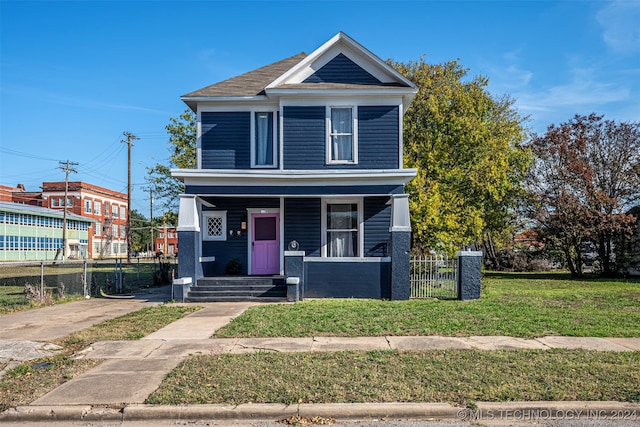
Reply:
x=357, y=65
x=341, y=69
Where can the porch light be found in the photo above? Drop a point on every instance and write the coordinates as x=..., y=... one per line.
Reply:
x=243, y=224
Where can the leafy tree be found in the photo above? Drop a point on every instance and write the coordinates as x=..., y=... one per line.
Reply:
x=140, y=237
x=182, y=149
x=466, y=145
x=586, y=175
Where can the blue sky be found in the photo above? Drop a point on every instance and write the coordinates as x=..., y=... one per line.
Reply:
x=76, y=75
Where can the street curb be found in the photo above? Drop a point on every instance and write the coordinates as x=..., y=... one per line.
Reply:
x=505, y=411
x=61, y=413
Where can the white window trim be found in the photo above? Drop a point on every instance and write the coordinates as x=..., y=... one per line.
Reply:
x=205, y=231
x=274, y=140
x=354, y=142
x=323, y=227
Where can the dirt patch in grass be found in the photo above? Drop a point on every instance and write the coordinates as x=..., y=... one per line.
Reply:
x=33, y=379
x=27, y=382
x=454, y=376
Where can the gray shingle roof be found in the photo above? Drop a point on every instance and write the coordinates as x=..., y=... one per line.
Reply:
x=251, y=83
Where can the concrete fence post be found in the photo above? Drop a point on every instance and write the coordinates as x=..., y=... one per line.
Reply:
x=469, y=274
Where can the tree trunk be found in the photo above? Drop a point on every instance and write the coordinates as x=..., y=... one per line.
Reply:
x=490, y=250
x=578, y=259
x=567, y=254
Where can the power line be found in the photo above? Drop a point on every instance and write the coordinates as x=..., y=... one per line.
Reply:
x=23, y=154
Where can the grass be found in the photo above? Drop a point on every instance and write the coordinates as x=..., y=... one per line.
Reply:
x=25, y=383
x=12, y=299
x=454, y=376
x=131, y=326
x=519, y=305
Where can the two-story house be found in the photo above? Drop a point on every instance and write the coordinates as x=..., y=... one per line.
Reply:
x=300, y=175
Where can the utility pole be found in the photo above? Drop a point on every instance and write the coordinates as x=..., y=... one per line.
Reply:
x=153, y=242
x=66, y=167
x=130, y=137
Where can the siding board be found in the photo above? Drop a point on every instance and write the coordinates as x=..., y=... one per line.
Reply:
x=226, y=140
x=304, y=137
x=342, y=70
x=377, y=220
x=378, y=137
x=302, y=224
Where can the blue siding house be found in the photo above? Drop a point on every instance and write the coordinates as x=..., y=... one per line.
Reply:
x=299, y=180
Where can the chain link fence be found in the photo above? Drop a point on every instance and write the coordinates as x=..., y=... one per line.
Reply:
x=23, y=283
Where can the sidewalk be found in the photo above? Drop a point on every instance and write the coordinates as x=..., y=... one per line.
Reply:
x=132, y=370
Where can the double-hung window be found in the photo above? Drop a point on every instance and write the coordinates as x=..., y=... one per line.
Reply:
x=342, y=228
x=263, y=152
x=342, y=147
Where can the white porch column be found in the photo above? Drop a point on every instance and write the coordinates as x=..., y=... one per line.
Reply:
x=400, y=240
x=189, y=238
x=188, y=219
x=400, y=219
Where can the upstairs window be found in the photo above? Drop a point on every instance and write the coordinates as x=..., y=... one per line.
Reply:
x=263, y=152
x=87, y=206
x=342, y=147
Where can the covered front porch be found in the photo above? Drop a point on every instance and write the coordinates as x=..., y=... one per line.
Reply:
x=347, y=246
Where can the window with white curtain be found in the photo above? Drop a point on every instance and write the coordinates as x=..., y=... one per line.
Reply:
x=263, y=150
x=342, y=229
x=341, y=136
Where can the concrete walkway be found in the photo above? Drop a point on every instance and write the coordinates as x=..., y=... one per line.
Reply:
x=132, y=370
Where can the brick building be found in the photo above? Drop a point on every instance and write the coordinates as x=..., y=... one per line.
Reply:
x=167, y=241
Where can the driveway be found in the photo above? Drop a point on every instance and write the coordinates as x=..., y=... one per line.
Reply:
x=25, y=335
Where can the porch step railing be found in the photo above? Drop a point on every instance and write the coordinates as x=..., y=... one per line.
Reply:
x=434, y=276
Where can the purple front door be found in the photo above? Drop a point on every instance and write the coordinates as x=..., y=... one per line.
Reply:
x=265, y=243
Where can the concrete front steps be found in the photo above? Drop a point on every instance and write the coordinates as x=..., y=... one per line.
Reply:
x=238, y=288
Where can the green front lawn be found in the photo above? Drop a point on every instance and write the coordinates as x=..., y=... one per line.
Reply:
x=519, y=305
x=453, y=376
